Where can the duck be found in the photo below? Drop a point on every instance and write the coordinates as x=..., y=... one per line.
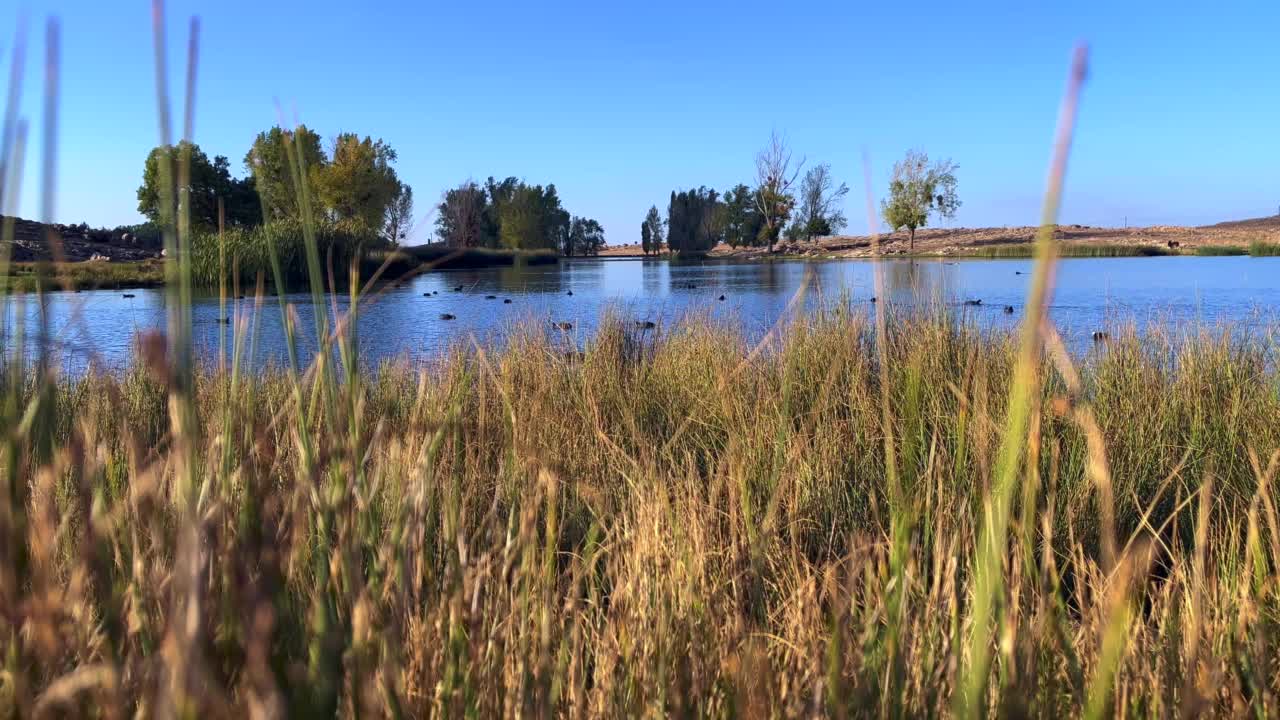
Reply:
x=447, y=316
x=873, y=299
x=223, y=321
x=564, y=326
x=646, y=324
x=1099, y=336
x=426, y=294
x=506, y=301
x=570, y=293
x=721, y=298
x=973, y=303
x=490, y=297
x=128, y=296
x=1008, y=309
x=458, y=289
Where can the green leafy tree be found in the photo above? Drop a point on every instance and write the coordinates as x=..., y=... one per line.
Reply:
x=273, y=175
x=774, y=179
x=693, y=222
x=358, y=184
x=819, y=212
x=531, y=218
x=206, y=183
x=585, y=237
x=919, y=190
x=652, y=231
x=742, y=222
x=462, y=216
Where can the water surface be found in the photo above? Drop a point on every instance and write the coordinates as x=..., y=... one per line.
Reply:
x=1092, y=294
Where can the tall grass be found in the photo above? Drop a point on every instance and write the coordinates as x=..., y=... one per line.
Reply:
x=1262, y=248
x=1070, y=250
x=1220, y=250
x=889, y=518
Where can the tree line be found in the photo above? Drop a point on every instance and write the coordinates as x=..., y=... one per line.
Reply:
x=515, y=215
x=757, y=215
x=353, y=185
x=777, y=206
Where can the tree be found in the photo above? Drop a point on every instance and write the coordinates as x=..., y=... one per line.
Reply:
x=532, y=219
x=461, y=217
x=400, y=216
x=651, y=231
x=774, y=178
x=693, y=225
x=742, y=223
x=918, y=190
x=206, y=183
x=358, y=184
x=585, y=237
x=268, y=161
x=820, y=213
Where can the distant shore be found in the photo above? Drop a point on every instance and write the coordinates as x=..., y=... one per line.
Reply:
x=1259, y=236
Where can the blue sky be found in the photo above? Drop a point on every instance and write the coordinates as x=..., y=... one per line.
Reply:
x=617, y=105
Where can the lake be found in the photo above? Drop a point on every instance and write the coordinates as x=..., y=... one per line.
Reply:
x=1091, y=294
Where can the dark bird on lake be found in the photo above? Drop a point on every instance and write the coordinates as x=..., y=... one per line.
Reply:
x=564, y=325
x=646, y=324
x=426, y=294
x=458, y=289
x=873, y=299
x=1099, y=336
x=1008, y=309
x=721, y=298
x=128, y=295
x=973, y=302
x=239, y=297
x=506, y=301
x=447, y=316
x=223, y=321
x=490, y=297
x=1017, y=272
x=569, y=293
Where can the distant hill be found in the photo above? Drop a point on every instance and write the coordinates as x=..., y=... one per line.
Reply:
x=1271, y=222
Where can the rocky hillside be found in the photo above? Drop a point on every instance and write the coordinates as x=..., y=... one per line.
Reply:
x=77, y=242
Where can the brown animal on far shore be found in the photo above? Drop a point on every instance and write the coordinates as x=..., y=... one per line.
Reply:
x=1174, y=244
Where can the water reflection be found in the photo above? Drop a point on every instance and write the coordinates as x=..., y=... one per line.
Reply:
x=1091, y=294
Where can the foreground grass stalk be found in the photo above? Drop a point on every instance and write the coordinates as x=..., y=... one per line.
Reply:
x=993, y=541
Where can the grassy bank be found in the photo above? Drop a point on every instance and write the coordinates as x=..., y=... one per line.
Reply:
x=22, y=277
x=660, y=525
x=1069, y=250
x=1259, y=248
x=1220, y=250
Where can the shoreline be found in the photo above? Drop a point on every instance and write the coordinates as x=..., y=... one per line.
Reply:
x=1260, y=236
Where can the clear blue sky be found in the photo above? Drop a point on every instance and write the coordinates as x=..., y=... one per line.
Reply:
x=619, y=105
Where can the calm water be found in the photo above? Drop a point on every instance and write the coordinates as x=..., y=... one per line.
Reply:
x=1092, y=294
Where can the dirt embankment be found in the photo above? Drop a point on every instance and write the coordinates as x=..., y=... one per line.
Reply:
x=973, y=241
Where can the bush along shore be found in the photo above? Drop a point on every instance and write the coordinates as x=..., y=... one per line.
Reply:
x=659, y=524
